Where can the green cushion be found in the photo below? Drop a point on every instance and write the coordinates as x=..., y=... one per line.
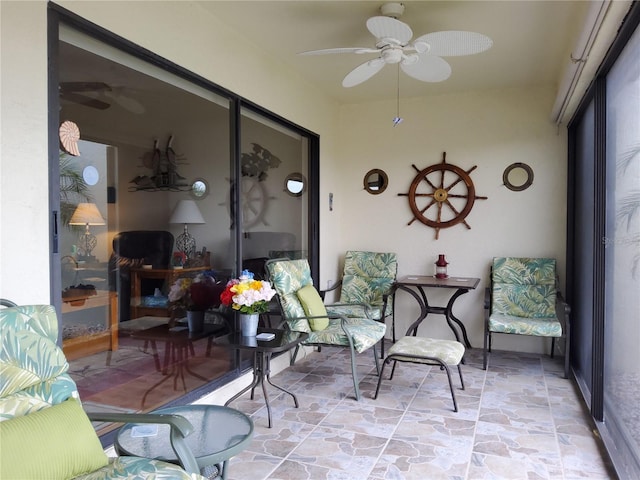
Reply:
x=55, y=443
x=314, y=307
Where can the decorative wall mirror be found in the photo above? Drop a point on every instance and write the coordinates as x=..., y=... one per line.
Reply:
x=295, y=184
x=199, y=188
x=517, y=176
x=376, y=181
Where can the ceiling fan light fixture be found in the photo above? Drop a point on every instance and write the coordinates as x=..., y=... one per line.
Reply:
x=392, y=55
x=421, y=47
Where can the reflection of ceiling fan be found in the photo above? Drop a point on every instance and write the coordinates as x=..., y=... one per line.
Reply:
x=88, y=93
x=420, y=59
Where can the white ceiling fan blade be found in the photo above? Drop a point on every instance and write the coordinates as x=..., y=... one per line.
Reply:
x=455, y=43
x=387, y=27
x=363, y=72
x=427, y=69
x=327, y=51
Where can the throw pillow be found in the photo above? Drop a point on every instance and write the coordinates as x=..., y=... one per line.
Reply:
x=54, y=443
x=313, y=307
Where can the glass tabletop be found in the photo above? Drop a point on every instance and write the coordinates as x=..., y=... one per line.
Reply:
x=283, y=340
x=431, y=281
x=219, y=433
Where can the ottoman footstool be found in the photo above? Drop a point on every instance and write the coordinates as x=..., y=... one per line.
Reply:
x=428, y=351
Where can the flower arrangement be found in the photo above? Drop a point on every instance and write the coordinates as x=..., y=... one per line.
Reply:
x=193, y=293
x=247, y=295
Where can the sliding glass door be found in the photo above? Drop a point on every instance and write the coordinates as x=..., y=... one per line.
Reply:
x=622, y=273
x=605, y=252
x=163, y=179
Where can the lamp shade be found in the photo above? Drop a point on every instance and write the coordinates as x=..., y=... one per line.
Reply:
x=186, y=211
x=86, y=214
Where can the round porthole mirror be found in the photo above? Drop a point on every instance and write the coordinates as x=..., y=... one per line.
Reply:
x=199, y=188
x=295, y=184
x=376, y=181
x=517, y=176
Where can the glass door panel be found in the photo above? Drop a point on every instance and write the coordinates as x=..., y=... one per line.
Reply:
x=622, y=329
x=274, y=195
x=150, y=142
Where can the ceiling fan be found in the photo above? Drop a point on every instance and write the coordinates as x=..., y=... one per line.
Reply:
x=420, y=58
x=87, y=93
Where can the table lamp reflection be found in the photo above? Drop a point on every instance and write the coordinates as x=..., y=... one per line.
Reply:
x=86, y=214
x=186, y=212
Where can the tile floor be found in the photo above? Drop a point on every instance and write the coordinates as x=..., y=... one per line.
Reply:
x=518, y=420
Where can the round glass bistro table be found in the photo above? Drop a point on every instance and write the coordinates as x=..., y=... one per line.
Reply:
x=219, y=434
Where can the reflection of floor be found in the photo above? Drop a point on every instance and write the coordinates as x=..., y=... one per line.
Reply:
x=623, y=391
x=518, y=420
x=119, y=383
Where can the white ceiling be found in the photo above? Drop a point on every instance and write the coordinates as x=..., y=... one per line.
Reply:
x=532, y=41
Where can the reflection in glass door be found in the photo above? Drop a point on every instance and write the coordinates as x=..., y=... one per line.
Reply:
x=89, y=309
x=622, y=246
x=154, y=165
x=274, y=220
x=157, y=173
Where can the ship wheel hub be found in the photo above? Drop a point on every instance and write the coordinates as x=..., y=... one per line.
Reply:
x=440, y=195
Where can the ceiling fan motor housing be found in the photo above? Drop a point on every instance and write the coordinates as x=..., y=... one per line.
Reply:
x=394, y=9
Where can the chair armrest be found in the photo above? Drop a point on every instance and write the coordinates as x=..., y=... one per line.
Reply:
x=563, y=310
x=180, y=428
x=366, y=307
x=330, y=289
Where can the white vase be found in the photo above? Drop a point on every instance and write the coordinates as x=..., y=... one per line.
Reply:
x=195, y=320
x=249, y=324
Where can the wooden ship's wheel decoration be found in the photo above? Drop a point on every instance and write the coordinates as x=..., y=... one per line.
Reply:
x=442, y=195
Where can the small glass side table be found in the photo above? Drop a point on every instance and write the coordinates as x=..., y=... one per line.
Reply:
x=219, y=434
x=262, y=350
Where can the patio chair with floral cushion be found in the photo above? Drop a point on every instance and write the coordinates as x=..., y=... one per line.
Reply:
x=44, y=431
x=303, y=311
x=524, y=299
x=365, y=286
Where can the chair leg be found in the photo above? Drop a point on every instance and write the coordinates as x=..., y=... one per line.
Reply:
x=375, y=358
x=487, y=342
x=461, y=379
x=393, y=369
x=553, y=345
x=375, y=395
x=453, y=394
x=295, y=354
x=354, y=373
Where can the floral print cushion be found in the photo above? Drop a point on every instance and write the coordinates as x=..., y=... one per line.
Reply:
x=134, y=468
x=291, y=275
x=412, y=348
x=524, y=287
x=524, y=271
x=287, y=278
x=364, y=332
x=540, y=327
x=367, y=276
x=33, y=377
x=32, y=366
